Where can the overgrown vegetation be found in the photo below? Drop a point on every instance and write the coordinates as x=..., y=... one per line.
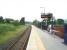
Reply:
x=9, y=28
x=6, y=28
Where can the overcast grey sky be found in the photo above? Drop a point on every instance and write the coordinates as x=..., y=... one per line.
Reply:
x=31, y=8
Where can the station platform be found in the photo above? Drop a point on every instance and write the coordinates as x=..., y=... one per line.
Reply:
x=42, y=40
x=35, y=42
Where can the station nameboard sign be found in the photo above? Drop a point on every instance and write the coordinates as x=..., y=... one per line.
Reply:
x=42, y=15
x=46, y=15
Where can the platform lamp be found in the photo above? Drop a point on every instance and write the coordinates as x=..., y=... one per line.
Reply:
x=42, y=13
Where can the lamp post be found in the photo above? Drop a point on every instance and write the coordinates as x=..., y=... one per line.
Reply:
x=41, y=14
x=43, y=9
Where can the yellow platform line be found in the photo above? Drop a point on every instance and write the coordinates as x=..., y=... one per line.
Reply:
x=39, y=43
x=35, y=42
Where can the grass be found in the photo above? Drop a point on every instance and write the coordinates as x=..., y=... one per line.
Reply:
x=8, y=31
x=6, y=27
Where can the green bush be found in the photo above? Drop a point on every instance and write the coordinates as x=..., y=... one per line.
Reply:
x=60, y=22
x=16, y=23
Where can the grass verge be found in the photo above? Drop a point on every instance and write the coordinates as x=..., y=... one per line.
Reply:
x=10, y=31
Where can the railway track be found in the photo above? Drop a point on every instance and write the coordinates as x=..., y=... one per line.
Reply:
x=18, y=43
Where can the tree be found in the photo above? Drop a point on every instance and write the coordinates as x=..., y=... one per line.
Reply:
x=1, y=19
x=16, y=22
x=22, y=21
x=8, y=20
x=60, y=21
x=36, y=22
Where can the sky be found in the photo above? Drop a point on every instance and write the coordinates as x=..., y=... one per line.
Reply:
x=32, y=9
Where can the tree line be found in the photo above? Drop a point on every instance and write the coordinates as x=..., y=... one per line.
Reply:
x=43, y=23
x=12, y=21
